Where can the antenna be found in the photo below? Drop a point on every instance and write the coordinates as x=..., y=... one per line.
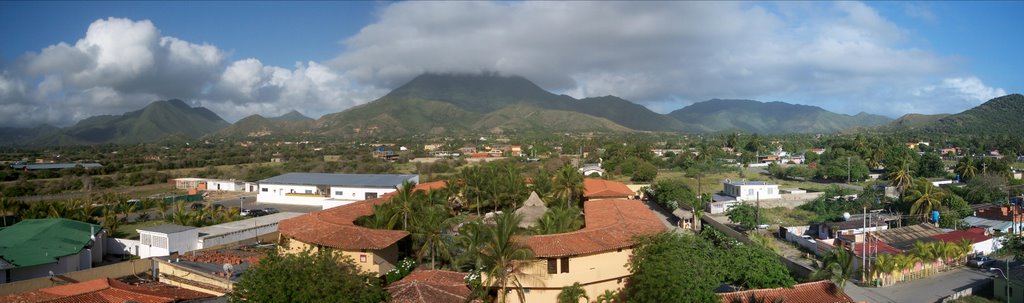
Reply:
x=228, y=268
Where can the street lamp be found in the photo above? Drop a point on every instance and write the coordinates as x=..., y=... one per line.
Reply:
x=241, y=201
x=1005, y=277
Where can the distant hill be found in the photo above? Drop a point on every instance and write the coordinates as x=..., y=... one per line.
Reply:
x=158, y=121
x=292, y=123
x=768, y=117
x=438, y=103
x=292, y=116
x=1002, y=115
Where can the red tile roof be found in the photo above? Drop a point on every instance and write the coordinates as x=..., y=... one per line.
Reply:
x=811, y=292
x=107, y=291
x=958, y=235
x=429, y=186
x=600, y=188
x=430, y=286
x=610, y=224
x=334, y=227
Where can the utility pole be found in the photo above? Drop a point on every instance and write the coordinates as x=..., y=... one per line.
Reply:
x=757, y=210
x=864, y=247
x=847, y=170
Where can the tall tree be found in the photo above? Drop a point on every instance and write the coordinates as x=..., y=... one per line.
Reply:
x=404, y=203
x=307, y=277
x=560, y=220
x=669, y=267
x=901, y=175
x=501, y=255
x=836, y=265
x=568, y=185
x=966, y=169
x=430, y=232
x=924, y=197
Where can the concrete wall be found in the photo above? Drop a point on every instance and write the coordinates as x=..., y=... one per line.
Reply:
x=596, y=272
x=119, y=247
x=192, y=279
x=116, y=270
x=378, y=262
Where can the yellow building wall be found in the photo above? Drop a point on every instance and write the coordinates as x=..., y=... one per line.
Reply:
x=596, y=272
x=378, y=262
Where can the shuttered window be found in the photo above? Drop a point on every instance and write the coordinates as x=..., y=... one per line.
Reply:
x=552, y=266
x=565, y=264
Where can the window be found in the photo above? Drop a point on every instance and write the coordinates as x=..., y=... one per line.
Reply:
x=565, y=264
x=552, y=266
x=338, y=193
x=309, y=191
x=750, y=192
x=264, y=189
x=160, y=242
x=146, y=239
x=371, y=195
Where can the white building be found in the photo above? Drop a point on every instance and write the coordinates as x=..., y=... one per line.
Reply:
x=232, y=232
x=592, y=168
x=165, y=240
x=328, y=190
x=752, y=190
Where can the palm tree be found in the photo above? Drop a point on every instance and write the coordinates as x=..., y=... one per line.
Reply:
x=502, y=255
x=883, y=267
x=568, y=184
x=608, y=296
x=966, y=248
x=404, y=203
x=573, y=294
x=901, y=177
x=471, y=239
x=966, y=169
x=430, y=231
x=925, y=197
x=925, y=253
x=559, y=220
x=836, y=265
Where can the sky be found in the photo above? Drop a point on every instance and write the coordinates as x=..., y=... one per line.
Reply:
x=61, y=62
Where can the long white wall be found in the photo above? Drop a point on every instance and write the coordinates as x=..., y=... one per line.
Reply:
x=278, y=193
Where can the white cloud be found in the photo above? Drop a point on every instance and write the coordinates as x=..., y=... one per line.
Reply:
x=662, y=54
x=972, y=89
x=248, y=87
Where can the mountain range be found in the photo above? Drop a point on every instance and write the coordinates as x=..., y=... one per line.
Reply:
x=453, y=104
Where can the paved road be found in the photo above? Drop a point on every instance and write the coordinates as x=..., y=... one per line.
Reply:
x=931, y=289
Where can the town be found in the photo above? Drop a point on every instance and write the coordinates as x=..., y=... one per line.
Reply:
x=517, y=220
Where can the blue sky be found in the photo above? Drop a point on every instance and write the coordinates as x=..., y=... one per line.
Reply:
x=63, y=61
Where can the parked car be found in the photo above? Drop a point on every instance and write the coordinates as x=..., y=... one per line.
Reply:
x=980, y=261
x=254, y=213
x=271, y=210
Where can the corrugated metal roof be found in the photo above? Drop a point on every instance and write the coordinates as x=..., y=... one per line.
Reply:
x=230, y=227
x=41, y=241
x=353, y=180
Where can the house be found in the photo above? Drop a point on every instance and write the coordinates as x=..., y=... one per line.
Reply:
x=328, y=190
x=751, y=190
x=594, y=189
x=590, y=169
x=435, y=286
x=998, y=218
x=818, y=150
x=106, y=290
x=1016, y=284
x=830, y=230
x=373, y=250
x=686, y=218
x=992, y=226
x=516, y=151
x=36, y=248
x=165, y=240
x=982, y=243
x=594, y=256
x=531, y=212
x=810, y=292
x=189, y=183
x=720, y=204
x=904, y=237
x=432, y=146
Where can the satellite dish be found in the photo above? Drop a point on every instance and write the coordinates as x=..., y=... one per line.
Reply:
x=846, y=216
x=229, y=267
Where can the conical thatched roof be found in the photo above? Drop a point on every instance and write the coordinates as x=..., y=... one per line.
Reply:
x=531, y=211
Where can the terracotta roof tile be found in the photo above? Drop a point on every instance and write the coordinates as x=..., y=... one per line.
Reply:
x=812, y=292
x=429, y=186
x=430, y=286
x=610, y=224
x=107, y=290
x=334, y=227
x=600, y=188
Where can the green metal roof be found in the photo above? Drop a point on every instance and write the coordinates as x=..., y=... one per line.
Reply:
x=41, y=241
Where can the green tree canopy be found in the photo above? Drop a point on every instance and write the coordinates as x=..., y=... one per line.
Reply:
x=670, y=267
x=307, y=277
x=743, y=214
x=671, y=193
